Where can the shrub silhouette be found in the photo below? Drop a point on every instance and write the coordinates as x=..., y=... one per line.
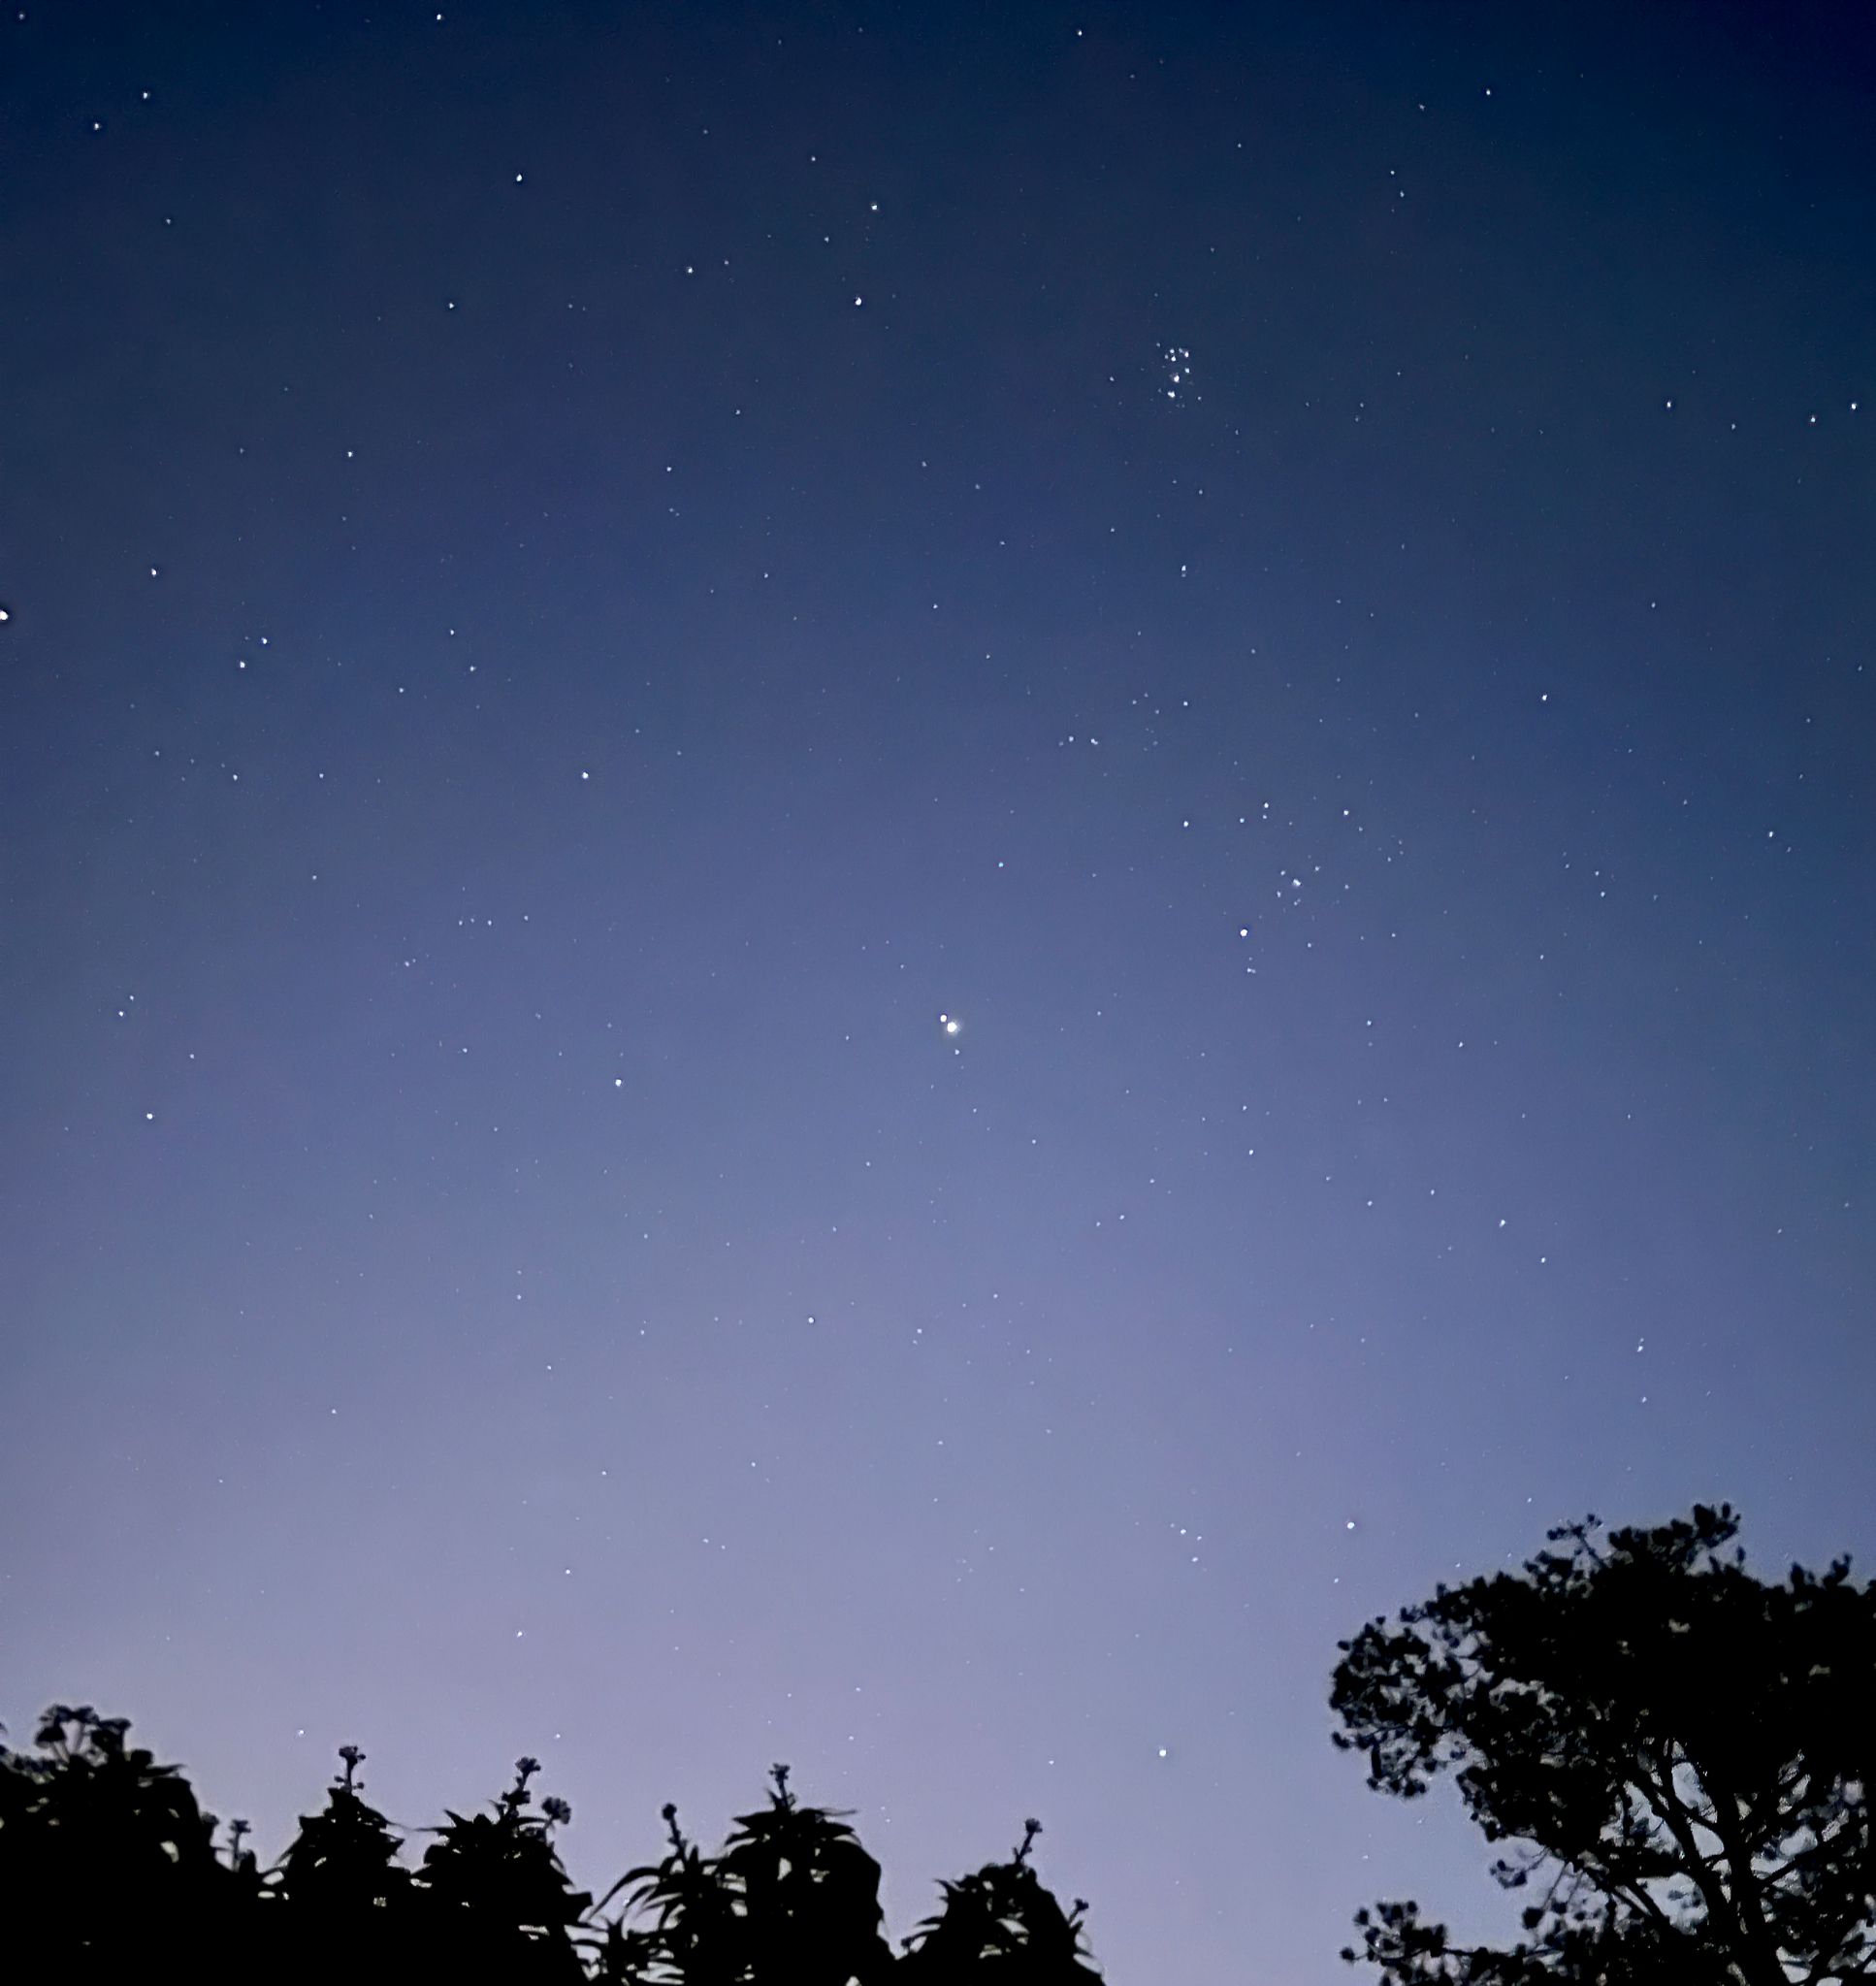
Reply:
x=792, y=1893
x=496, y=1894
x=101, y=1850
x=1681, y=1756
x=1003, y=1914
x=342, y=1890
x=109, y=1871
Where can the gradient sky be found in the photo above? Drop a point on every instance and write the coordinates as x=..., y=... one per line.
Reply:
x=578, y=576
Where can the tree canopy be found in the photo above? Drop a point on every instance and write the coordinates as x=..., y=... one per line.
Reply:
x=1677, y=1755
x=108, y=1870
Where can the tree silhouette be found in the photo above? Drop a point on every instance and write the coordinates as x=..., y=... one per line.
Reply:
x=111, y=1872
x=1680, y=1756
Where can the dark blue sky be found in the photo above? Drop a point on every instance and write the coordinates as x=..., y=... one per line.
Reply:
x=578, y=576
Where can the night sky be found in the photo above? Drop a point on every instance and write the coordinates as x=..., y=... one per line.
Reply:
x=583, y=582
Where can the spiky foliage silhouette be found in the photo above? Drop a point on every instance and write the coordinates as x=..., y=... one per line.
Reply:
x=809, y=1893
x=116, y=1871
x=498, y=1897
x=693, y=1933
x=344, y=1889
x=997, y=1924
x=346, y=1859
x=103, y=1851
x=794, y=1896
x=1680, y=1756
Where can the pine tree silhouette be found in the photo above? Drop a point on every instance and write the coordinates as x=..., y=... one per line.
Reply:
x=1676, y=1755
